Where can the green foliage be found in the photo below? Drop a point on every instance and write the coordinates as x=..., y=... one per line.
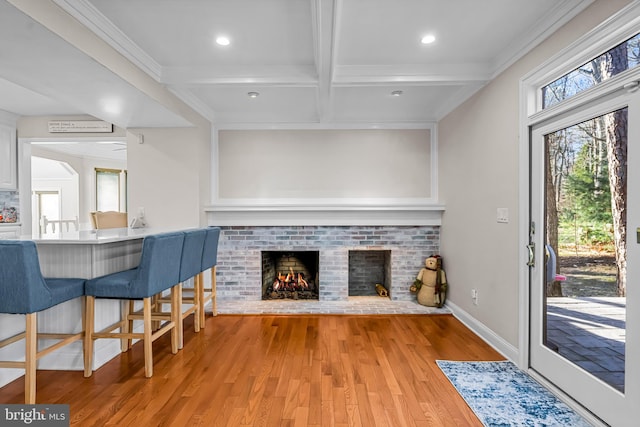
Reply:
x=587, y=188
x=585, y=214
x=589, y=234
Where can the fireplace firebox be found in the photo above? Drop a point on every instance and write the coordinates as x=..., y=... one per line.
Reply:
x=368, y=268
x=290, y=275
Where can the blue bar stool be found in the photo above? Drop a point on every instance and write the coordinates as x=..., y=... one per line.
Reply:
x=23, y=290
x=159, y=270
x=209, y=261
x=190, y=264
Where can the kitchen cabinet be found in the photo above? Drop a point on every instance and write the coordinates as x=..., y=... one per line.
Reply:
x=9, y=231
x=8, y=158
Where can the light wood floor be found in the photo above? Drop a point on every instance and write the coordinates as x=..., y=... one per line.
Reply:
x=299, y=370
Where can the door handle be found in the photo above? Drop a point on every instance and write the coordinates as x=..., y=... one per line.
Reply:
x=532, y=255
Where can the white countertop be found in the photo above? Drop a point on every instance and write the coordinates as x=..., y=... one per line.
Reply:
x=94, y=237
x=10, y=224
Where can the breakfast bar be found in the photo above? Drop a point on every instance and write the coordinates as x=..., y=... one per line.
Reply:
x=80, y=254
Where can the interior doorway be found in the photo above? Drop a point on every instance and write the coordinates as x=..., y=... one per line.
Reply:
x=55, y=196
x=76, y=161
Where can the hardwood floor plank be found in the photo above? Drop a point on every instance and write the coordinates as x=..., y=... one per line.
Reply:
x=302, y=370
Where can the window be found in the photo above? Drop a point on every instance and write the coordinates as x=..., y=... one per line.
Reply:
x=624, y=56
x=108, y=194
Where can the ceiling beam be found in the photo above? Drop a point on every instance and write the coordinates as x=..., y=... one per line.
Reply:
x=428, y=74
x=305, y=75
x=326, y=17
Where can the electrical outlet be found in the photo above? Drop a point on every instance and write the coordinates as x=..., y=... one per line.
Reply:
x=474, y=296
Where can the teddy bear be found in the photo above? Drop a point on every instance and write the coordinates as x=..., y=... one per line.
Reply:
x=431, y=283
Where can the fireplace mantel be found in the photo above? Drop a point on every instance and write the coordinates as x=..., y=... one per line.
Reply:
x=242, y=212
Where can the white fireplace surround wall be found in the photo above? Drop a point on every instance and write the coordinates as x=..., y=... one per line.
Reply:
x=335, y=176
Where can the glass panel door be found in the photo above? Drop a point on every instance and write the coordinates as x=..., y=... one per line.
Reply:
x=585, y=258
x=585, y=207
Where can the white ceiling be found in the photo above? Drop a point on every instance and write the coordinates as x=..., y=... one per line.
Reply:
x=325, y=62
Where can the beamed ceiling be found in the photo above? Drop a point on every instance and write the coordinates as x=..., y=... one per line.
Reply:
x=324, y=62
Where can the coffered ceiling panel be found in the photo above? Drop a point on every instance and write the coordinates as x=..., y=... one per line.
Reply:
x=310, y=61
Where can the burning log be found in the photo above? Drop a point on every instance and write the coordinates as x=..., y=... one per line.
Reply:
x=289, y=285
x=301, y=282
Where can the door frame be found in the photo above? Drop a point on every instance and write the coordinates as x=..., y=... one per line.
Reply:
x=616, y=29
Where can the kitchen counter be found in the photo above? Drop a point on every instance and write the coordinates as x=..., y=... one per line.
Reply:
x=93, y=237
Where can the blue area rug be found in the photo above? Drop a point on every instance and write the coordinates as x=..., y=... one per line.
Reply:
x=500, y=394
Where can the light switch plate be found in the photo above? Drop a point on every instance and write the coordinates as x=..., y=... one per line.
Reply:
x=503, y=215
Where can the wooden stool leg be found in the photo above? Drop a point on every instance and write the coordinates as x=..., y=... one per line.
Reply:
x=147, y=342
x=31, y=349
x=175, y=308
x=177, y=333
x=214, y=303
x=127, y=326
x=197, y=283
x=156, y=306
x=89, y=323
x=201, y=299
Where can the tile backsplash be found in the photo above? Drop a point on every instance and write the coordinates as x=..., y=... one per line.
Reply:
x=9, y=206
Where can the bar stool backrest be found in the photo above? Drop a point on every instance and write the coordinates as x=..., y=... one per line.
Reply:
x=192, y=253
x=109, y=219
x=210, y=251
x=159, y=267
x=22, y=287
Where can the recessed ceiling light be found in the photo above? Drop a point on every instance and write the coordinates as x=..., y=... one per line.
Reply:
x=396, y=93
x=223, y=41
x=428, y=39
x=253, y=94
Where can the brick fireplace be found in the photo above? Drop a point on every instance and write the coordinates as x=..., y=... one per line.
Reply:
x=404, y=248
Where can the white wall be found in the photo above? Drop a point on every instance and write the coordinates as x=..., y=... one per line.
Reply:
x=478, y=164
x=281, y=164
x=169, y=175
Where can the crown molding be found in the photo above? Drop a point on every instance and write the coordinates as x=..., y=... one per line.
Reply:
x=90, y=17
x=559, y=15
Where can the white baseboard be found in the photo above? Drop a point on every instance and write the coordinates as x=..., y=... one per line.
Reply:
x=490, y=337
